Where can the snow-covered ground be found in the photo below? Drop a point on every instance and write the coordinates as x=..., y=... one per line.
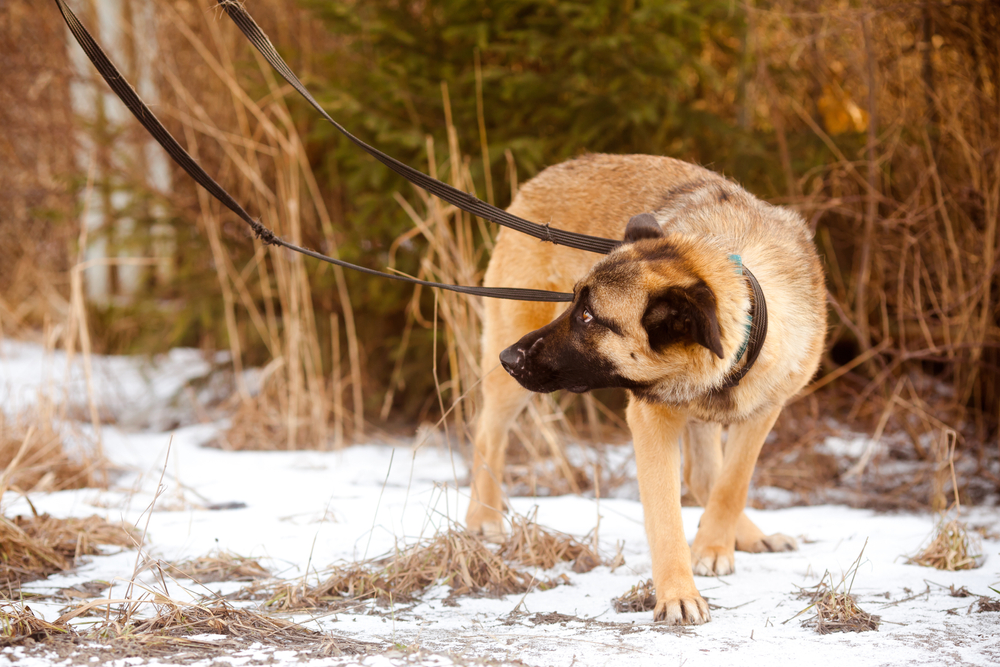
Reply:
x=303, y=511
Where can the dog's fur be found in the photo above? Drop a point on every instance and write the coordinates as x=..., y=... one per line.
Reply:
x=663, y=316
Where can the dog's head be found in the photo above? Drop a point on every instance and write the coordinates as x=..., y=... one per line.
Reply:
x=648, y=317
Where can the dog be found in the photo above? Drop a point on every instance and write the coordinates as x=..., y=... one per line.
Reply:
x=664, y=316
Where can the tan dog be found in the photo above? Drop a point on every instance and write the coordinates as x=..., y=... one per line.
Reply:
x=665, y=317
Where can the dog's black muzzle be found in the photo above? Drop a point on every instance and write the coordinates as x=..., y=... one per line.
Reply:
x=542, y=361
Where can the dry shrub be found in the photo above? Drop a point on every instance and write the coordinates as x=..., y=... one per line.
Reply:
x=37, y=118
x=951, y=548
x=19, y=625
x=221, y=566
x=35, y=547
x=641, y=597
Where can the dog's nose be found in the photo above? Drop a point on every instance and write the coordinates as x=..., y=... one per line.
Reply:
x=512, y=358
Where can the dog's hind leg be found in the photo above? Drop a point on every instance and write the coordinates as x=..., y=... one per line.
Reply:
x=712, y=551
x=703, y=460
x=503, y=399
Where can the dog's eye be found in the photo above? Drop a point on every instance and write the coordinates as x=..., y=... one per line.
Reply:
x=586, y=317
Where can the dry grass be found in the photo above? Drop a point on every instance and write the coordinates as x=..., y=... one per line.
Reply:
x=951, y=548
x=838, y=612
x=37, y=546
x=641, y=597
x=170, y=629
x=221, y=566
x=19, y=625
x=985, y=603
x=532, y=545
x=835, y=608
x=453, y=558
x=34, y=459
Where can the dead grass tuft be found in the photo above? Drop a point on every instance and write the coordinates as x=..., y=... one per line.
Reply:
x=34, y=459
x=19, y=625
x=535, y=546
x=454, y=558
x=838, y=612
x=641, y=597
x=35, y=547
x=175, y=623
x=835, y=607
x=987, y=604
x=221, y=566
x=952, y=548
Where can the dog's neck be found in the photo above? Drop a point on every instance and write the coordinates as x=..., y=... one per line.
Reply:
x=756, y=328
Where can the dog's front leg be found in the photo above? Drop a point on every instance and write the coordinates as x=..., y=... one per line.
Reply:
x=656, y=433
x=714, y=545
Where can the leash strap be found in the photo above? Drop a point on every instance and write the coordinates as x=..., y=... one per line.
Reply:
x=126, y=93
x=462, y=200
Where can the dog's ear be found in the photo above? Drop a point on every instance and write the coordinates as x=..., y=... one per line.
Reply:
x=642, y=226
x=683, y=314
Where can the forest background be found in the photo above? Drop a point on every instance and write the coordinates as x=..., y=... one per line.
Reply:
x=879, y=121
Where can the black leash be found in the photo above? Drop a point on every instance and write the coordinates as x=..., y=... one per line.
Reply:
x=462, y=200
x=126, y=93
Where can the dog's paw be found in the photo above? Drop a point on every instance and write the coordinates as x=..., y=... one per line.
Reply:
x=491, y=531
x=709, y=561
x=770, y=543
x=689, y=610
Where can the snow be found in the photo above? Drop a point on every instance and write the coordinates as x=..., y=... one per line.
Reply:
x=304, y=511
